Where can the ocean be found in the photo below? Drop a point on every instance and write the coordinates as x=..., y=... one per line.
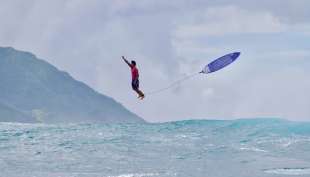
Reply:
x=190, y=148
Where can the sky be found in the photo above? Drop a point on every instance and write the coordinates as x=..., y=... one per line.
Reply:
x=170, y=40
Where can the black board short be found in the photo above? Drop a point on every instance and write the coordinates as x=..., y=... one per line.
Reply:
x=135, y=84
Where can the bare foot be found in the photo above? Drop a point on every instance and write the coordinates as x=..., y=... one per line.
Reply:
x=141, y=97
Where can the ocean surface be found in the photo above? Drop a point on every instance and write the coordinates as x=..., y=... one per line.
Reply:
x=193, y=148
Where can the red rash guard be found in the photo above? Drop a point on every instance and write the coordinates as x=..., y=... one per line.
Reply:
x=134, y=73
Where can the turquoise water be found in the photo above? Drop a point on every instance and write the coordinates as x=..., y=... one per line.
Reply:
x=194, y=148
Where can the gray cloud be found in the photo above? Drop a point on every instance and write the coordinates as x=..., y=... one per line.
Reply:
x=170, y=40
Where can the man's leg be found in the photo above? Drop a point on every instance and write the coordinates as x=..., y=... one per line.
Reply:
x=140, y=93
x=136, y=90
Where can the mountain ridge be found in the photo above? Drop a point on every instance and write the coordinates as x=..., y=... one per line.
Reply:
x=39, y=90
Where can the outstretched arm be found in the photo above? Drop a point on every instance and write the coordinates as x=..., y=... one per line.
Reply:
x=126, y=61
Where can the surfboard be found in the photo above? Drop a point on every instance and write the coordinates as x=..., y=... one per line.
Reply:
x=220, y=63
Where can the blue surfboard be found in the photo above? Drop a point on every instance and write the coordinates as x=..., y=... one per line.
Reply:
x=220, y=63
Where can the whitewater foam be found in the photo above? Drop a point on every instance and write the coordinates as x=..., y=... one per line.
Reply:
x=289, y=171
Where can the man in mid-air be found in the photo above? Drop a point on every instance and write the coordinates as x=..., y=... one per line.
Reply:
x=135, y=77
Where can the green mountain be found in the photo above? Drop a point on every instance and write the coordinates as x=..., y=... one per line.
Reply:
x=32, y=90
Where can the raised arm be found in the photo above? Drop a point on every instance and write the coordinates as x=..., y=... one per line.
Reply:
x=126, y=61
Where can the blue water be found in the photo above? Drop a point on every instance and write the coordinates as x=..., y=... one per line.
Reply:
x=194, y=148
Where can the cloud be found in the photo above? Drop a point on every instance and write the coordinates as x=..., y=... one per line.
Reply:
x=170, y=40
x=281, y=95
x=230, y=20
